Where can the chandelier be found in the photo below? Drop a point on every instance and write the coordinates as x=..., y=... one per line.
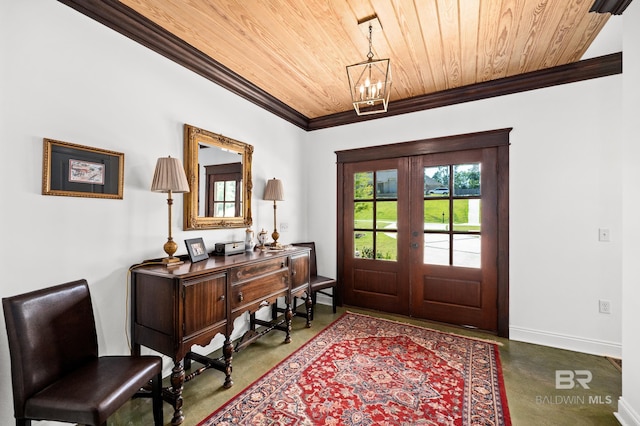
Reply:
x=370, y=82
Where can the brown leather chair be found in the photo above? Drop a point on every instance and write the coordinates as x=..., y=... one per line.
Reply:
x=55, y=368
x=318, y=282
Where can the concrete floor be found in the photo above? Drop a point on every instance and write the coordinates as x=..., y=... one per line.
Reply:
x=529, y=373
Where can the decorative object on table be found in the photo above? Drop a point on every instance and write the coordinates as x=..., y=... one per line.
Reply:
x=196, y=249
x=81, y=171
x=169, y=177
x=370, y=81
x=249, y=244
x=263, y=236
x=229, y=249
x=274, y=192
x=382, y=372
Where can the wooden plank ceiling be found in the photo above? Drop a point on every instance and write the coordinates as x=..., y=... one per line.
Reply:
x=297, y=51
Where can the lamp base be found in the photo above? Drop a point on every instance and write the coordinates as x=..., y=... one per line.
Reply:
x=170, y=247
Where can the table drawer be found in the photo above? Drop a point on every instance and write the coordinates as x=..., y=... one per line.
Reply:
x=253, y=270
x=258, y=290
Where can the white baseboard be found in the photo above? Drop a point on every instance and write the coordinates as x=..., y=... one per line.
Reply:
x=626, y=415
x=324, y=300
x=563, y=341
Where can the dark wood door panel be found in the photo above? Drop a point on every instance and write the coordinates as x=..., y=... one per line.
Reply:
x=377, y=290
x=204, y=303
x=375, y=282
x=452, y=290
x=300, y=270
x=161, y=291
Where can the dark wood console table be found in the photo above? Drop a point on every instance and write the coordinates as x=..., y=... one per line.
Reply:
x=173, y=308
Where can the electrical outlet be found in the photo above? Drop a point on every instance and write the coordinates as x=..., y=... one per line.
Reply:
x=605, y=306
x=603, y=235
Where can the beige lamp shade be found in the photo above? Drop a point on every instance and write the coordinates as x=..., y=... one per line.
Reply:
x=169, y=176
x=273, y=190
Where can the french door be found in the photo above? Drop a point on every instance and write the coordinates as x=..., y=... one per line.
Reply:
x=426, y=235
x=454, y=238
x=376, y=240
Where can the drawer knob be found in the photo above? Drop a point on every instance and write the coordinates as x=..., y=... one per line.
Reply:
x=282, y=265
x=222, y=298
x=241, y=296
x=294, y=272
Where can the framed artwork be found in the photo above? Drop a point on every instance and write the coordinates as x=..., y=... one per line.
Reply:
x=197, y=250
x=81, y=171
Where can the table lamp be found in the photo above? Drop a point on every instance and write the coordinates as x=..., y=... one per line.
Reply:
x=274, y=191
x=169, y=177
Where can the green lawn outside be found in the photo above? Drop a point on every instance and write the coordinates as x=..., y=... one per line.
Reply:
x=387, y=215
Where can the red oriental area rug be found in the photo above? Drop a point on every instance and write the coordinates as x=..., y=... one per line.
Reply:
x=362, y=371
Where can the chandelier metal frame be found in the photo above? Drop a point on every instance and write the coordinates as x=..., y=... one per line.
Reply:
x=370, y=82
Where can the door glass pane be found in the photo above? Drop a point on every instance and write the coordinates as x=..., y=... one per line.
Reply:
x=363, y=185
x=229, y=209
x=386, y=184
x=466, y=215
x=466, y=180
x=436, y=215
x=375, y=215
x=436, y=181
x=386, y=246
x=363, y=244
x=436, y=249
x=363, y=215
x=230, y=189
x=466, y=251
x=387, y=215
x=218, y=193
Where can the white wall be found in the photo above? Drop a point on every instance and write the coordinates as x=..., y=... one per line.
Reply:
x=64, y=76
x=564, y=185
x=629, y=404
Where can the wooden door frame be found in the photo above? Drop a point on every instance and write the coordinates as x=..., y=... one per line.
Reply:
x=493, y=138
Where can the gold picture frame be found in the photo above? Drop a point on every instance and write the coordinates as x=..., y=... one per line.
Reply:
x=81, y=171
x=200, y=146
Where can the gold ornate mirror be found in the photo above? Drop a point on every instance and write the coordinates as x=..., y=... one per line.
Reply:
x=218, y=169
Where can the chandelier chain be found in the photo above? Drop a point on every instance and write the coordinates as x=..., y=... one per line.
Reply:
x=370, y=54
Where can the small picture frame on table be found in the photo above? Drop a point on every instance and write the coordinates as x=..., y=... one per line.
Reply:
x=197, y=250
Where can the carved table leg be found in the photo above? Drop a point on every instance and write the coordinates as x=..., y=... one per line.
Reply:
x=227, y=351
x=308, y=303
x=288, y=316
x=175, y=392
